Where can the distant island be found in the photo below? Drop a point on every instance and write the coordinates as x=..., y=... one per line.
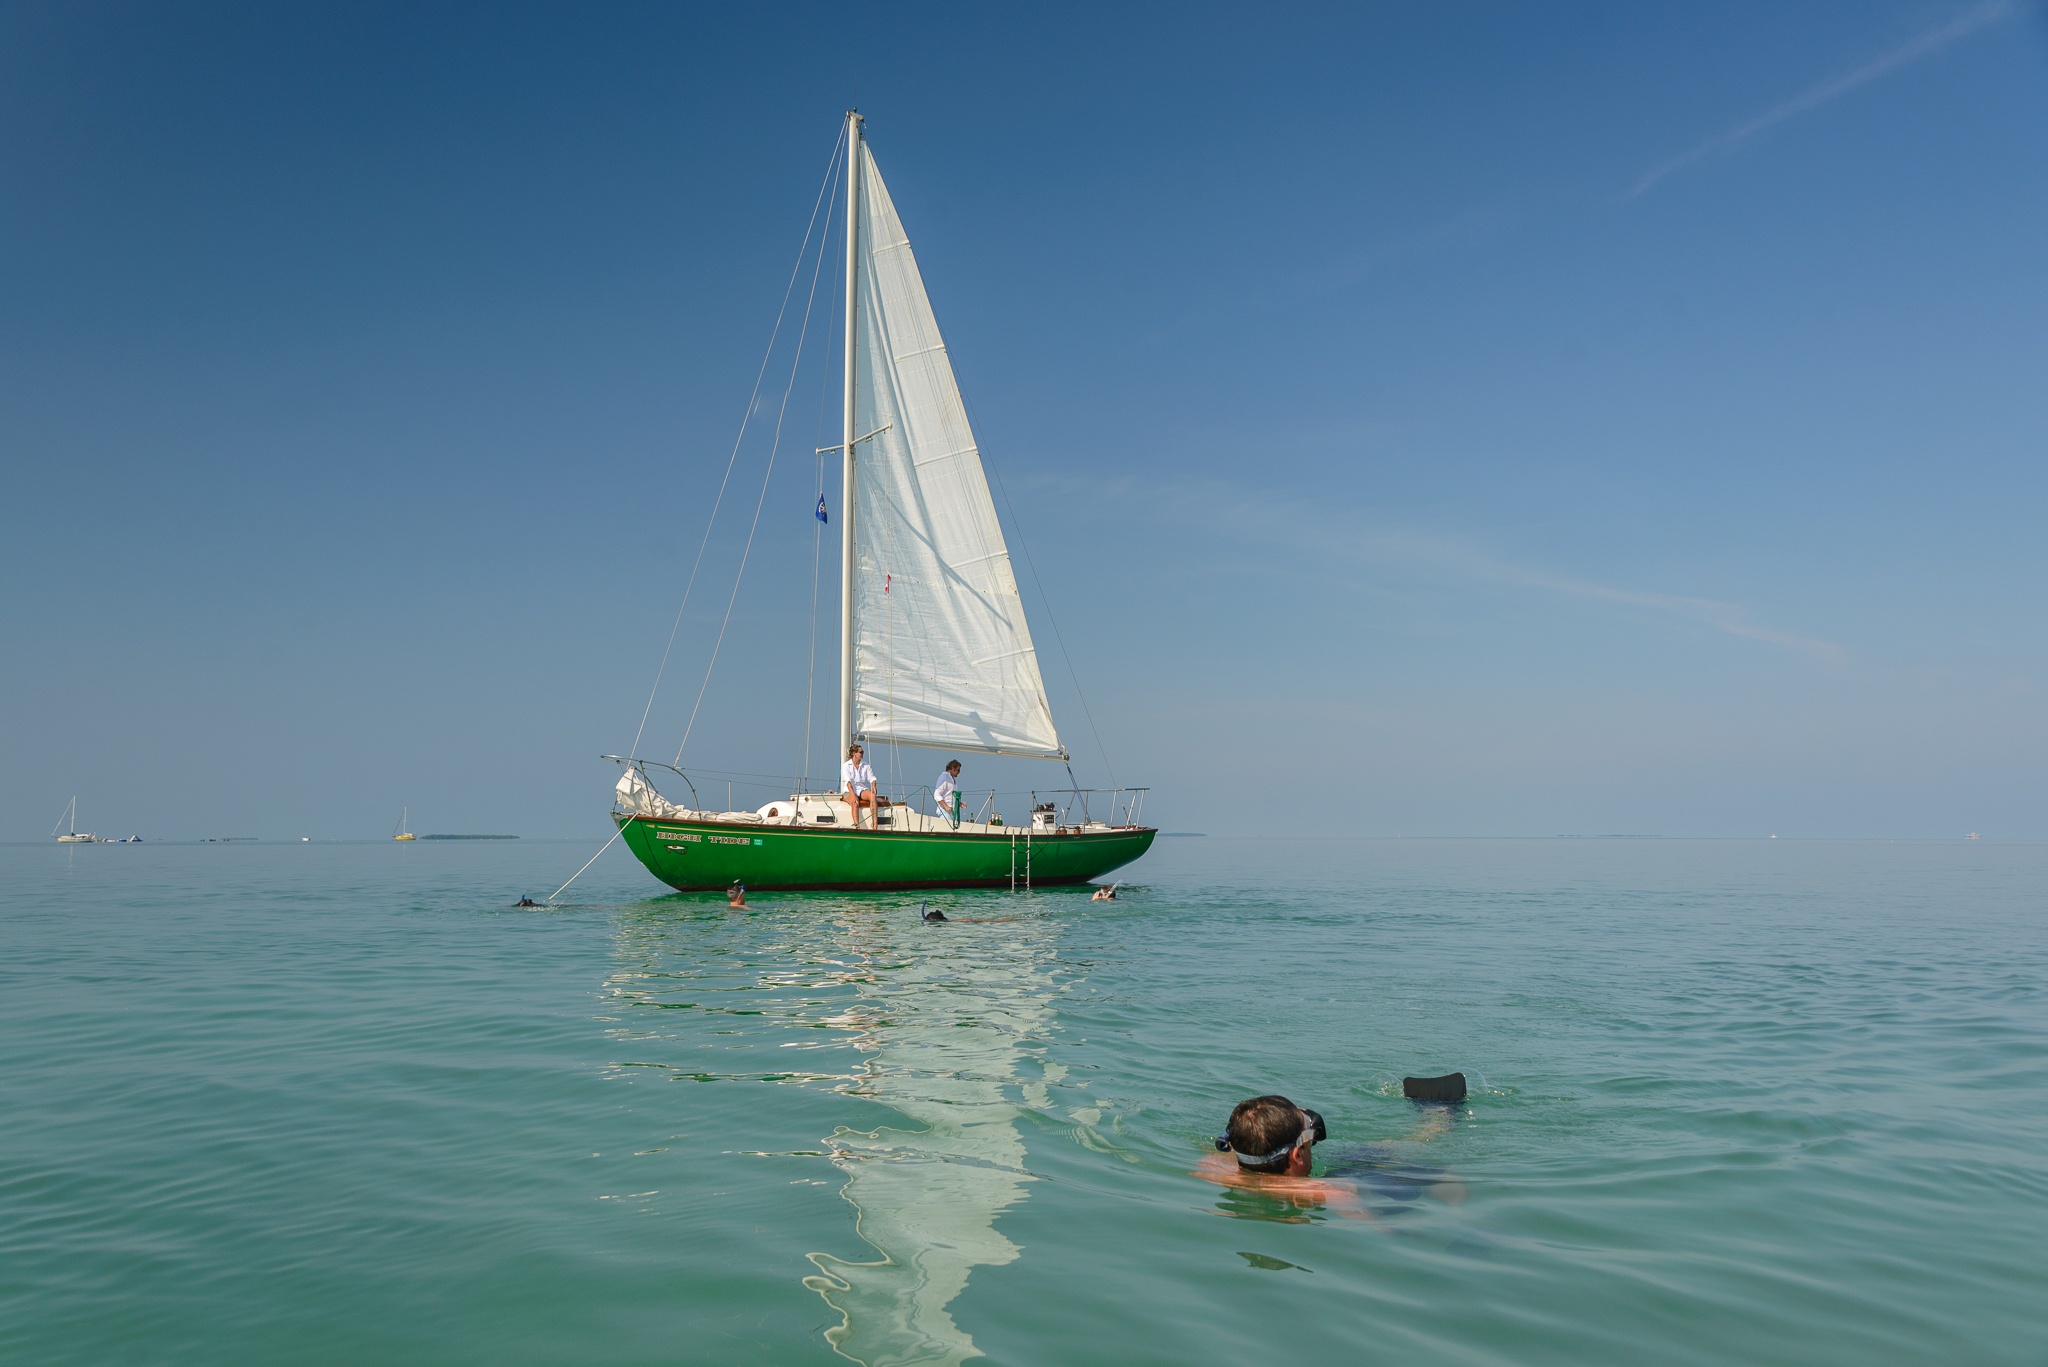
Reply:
x=469, y=837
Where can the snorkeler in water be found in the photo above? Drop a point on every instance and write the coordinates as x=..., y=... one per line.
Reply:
x=932, y=916
x=1269, y=1147
x=736, y=897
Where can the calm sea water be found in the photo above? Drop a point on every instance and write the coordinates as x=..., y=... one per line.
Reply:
x=1733, y=1102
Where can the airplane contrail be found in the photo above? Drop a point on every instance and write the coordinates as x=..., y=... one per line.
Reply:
x=1932, y=41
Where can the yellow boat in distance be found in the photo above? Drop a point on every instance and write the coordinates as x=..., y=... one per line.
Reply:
x=400, y=832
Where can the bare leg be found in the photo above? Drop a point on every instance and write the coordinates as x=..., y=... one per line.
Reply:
x=1435, y=1124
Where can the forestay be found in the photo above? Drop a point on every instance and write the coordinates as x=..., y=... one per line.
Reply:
x=942, y=654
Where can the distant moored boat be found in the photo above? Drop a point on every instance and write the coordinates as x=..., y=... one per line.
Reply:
x=72, y=835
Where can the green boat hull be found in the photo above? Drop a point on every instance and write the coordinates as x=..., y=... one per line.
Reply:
x=702, y=856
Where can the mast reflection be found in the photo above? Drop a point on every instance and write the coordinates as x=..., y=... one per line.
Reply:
x=948, y=1023
x=946, y=1016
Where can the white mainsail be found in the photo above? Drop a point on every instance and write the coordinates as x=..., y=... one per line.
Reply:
x=941, y=652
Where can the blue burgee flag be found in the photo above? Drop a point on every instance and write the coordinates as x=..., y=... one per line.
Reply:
x=821, y=509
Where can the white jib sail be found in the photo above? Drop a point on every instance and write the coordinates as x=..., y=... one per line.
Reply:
x=942, y=654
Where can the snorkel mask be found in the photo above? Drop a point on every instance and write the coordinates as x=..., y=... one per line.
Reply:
x=1313, y=1131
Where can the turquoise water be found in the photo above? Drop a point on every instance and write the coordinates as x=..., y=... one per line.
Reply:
x=1768, y=1102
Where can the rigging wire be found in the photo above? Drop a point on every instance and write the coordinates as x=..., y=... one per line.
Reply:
x=587, y=863
x=989, y=464
x=818, y=528
x=774, y=448
x=831, y=175
x=811, y=671
x=1046, y=599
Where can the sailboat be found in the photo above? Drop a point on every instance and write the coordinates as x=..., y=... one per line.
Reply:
x=400, y=831
x=934, y=648
x=72, y=835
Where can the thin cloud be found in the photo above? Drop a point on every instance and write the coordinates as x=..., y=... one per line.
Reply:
x=1337, y=539
x=1928, y=43
x=1729, y=617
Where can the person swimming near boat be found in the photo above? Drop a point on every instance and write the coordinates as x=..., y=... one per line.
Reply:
x=859, y=782
x=736, y=897
x=526, y=902
x=947, y=791
x=1107, y=894
x=1268, y=1147
x=932, y=916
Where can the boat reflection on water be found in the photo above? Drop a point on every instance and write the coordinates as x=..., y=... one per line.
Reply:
x=949, y=1022
x=944, y=1025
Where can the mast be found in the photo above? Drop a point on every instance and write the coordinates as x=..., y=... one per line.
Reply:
x=853, y=177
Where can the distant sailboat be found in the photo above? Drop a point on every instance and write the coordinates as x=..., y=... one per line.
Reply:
x=399, y=832
x=934, y=648
x=72, y=835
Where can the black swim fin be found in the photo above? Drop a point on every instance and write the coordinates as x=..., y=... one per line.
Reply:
x=1450, y=1088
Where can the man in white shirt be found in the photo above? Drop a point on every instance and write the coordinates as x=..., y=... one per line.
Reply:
x=947, y=791
x=859, y=781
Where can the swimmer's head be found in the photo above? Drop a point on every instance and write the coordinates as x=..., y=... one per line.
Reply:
x=1269, y=1134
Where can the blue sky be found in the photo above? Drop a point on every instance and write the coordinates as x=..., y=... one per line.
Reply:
x=1423, y=420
